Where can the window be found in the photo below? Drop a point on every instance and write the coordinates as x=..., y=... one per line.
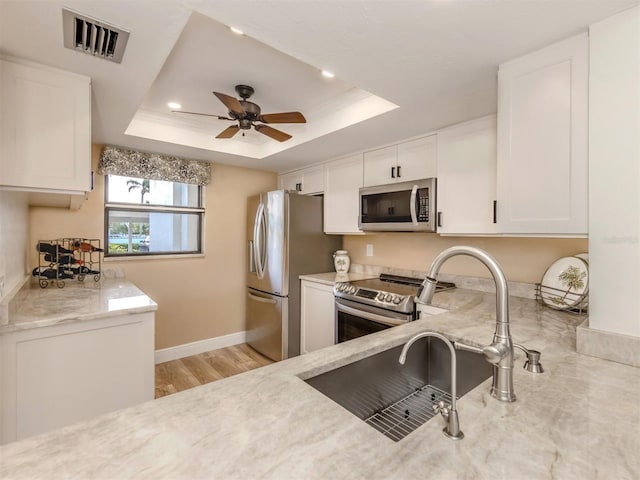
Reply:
x=152, y=217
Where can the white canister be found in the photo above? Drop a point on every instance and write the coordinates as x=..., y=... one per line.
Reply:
x=341, y=261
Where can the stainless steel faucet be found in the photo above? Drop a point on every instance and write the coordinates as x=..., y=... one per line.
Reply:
x=449, y=412
x=500, y=352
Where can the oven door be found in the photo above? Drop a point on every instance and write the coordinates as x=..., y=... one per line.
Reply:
x=355, y=319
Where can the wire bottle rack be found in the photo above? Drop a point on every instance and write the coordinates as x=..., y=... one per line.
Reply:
x=565, y=300
x=68, y=259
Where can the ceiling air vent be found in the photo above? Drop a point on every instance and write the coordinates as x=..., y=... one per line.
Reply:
x=93, y=37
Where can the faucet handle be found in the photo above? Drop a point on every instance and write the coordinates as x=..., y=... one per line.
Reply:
x=441, y=408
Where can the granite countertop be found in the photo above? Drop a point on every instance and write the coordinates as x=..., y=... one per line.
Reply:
x=331, y=278
x=578, y=420
x=35, y=307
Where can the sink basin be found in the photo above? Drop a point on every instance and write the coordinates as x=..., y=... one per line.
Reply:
x=396, y=399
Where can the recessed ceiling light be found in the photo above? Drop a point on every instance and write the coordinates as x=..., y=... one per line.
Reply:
x=236, y=30
x=327, y=74
x=174, y=105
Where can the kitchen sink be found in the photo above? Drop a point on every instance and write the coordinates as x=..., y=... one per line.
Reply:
x=396, y=399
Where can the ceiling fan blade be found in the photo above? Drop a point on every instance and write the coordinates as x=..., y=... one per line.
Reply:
x=230, y=102
x=273, y=133
x=203, y=114
x=228, y=132
x=284, y=117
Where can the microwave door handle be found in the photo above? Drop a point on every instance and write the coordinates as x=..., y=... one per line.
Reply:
x=369, y=316
x=412, y=206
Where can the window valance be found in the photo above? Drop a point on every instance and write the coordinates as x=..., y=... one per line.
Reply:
x=154, y=166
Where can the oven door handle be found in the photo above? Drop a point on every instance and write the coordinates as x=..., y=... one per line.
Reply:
x=374, y=317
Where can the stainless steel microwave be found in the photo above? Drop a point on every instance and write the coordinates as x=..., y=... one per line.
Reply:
x=399, y=207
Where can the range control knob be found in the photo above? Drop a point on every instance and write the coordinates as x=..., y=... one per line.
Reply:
x=381, y=296
x=338, y=287
x=352, y=289
x=388, y=297
x=397, y=299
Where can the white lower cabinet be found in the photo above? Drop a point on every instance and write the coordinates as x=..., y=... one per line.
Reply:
x=58, y=375
x=343, y=179
x=317, y=316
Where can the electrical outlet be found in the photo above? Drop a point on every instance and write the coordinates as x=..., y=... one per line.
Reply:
x=369, y=250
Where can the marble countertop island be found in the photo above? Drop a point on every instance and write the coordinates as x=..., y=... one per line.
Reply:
x=578, y=420
x=35, y=307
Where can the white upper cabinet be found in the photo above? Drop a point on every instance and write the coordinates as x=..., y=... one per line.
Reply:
x=290, y=181
x=343, y=180
x=45, y=129
x=309, y=181
x=467, y=177
x=412, y=160
x=543, y=140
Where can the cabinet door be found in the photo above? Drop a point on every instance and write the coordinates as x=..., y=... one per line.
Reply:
x=55, y=376
x=317, y=316
x=542, y=141
x=341, y=195
x=380, y=166
x=467, y=177
x=290, y=181
x=417, y=159
x=313, y=181
x=46, y=128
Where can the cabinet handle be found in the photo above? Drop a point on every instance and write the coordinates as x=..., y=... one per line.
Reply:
x=495, y=211
x=399, y=171
x=393, y=172
x=439, y=219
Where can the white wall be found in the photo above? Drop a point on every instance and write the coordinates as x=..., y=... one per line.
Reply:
x=14, y=237
x=614, y=174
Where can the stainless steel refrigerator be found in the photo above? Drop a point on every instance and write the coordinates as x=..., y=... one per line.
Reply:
x=285, y=239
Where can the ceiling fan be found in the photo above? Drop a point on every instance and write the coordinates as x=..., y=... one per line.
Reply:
x=247, y=113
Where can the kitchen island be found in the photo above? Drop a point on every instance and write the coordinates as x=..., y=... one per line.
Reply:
x=578, y=420
x=69, y=354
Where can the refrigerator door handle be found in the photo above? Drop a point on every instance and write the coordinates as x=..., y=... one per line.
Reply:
x=260, y=299
x=252, y=261
x=259, y=232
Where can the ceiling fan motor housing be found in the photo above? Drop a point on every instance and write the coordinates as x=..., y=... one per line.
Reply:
x=251, y=114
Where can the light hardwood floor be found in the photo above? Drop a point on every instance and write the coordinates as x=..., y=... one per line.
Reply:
x=189, y=372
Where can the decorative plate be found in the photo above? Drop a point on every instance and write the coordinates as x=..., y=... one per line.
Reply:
x=565, y=283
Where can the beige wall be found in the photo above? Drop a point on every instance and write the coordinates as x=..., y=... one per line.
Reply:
x=198, y=298
x=523, y=259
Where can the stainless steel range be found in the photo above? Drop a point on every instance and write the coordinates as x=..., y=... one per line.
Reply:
x=368, y=306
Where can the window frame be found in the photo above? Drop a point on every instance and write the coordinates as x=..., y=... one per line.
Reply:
x=132, y=207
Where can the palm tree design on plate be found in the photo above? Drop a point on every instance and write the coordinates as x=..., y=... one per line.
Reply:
x=144, y=187
x=573, y=279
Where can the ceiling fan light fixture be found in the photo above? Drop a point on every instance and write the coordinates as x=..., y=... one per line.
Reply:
x=174, y=105
x=327, y=74
x=236, y=30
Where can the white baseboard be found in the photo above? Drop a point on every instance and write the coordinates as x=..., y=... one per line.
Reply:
x=201, y=346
